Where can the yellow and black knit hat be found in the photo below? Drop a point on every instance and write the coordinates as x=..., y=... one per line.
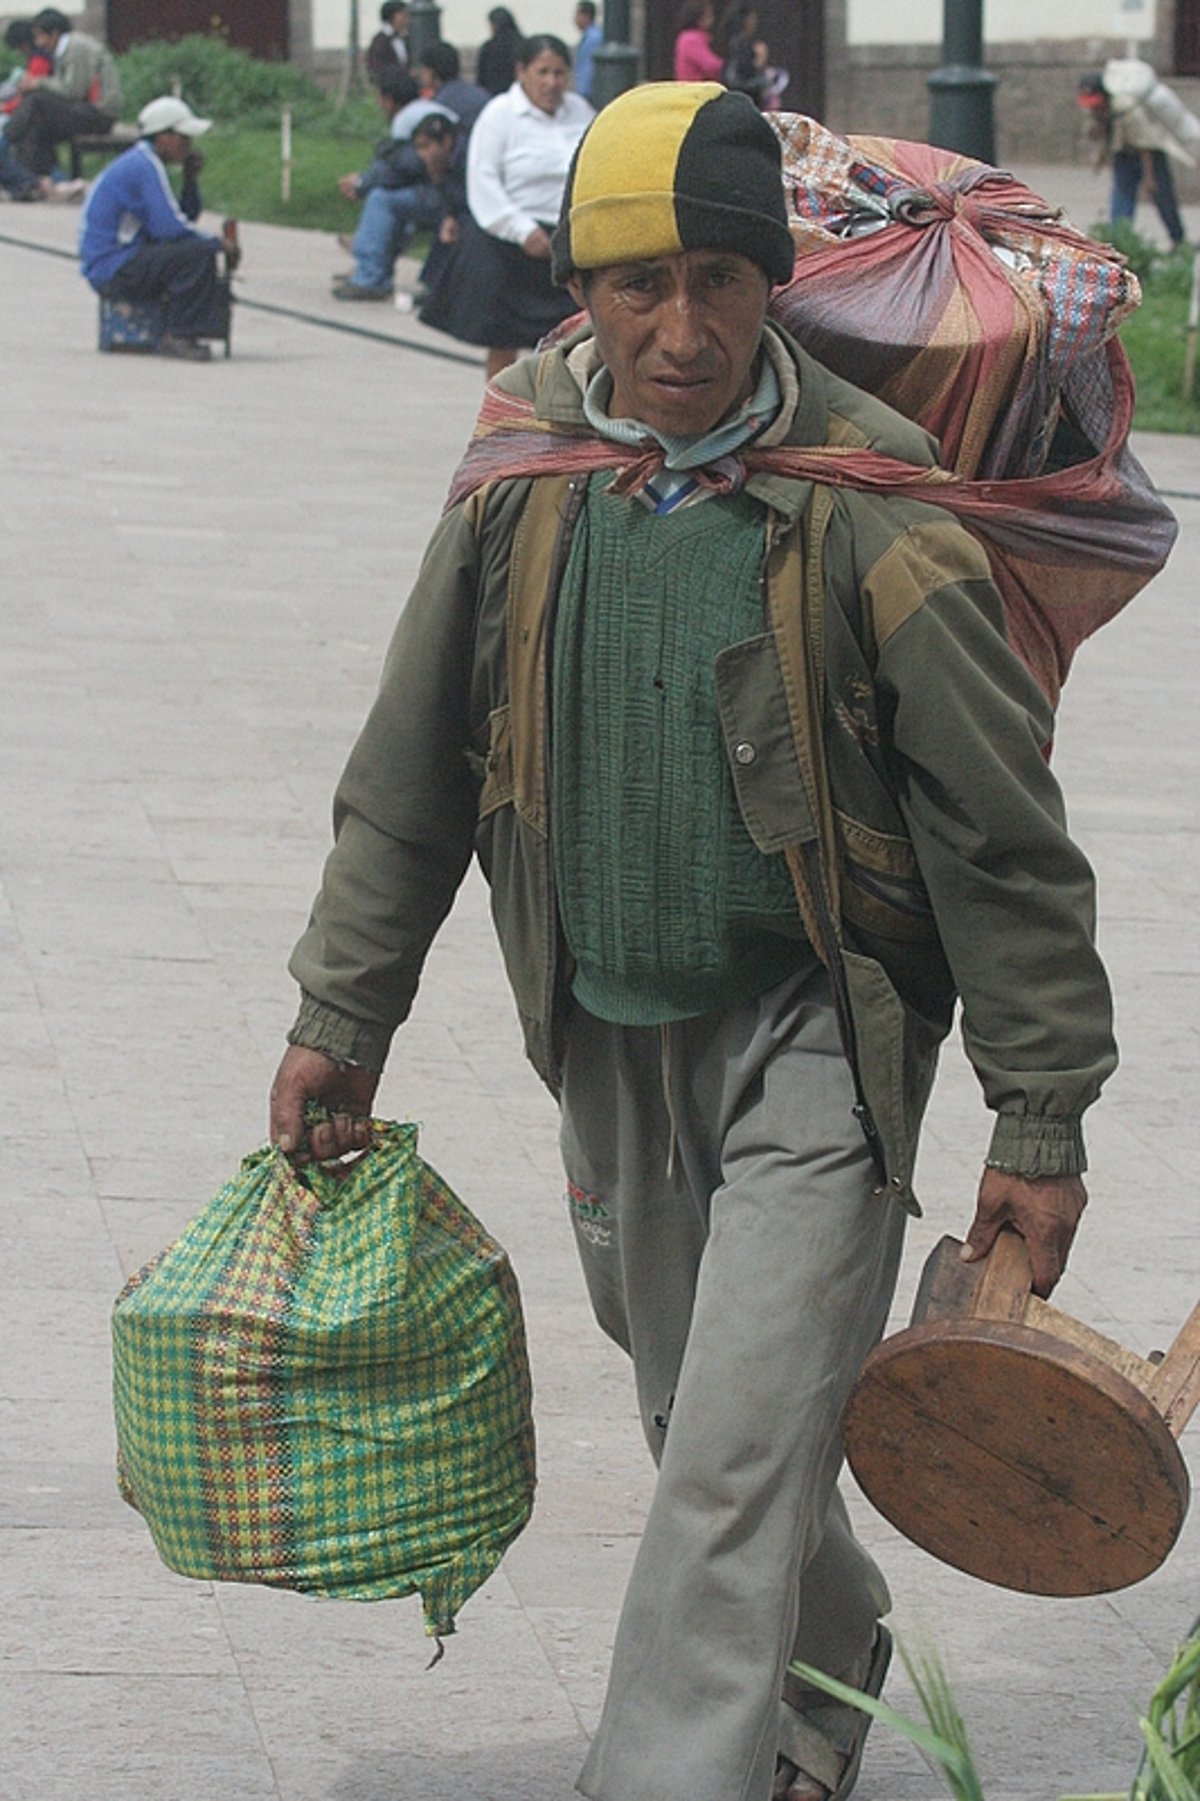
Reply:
x=671, y=166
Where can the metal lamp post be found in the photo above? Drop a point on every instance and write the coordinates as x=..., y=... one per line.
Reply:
x=961, y=114
x=616, y=59
x=424, y=28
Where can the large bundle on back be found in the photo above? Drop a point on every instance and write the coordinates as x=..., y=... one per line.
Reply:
x=957, y=295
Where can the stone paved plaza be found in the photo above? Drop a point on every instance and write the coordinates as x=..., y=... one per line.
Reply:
x=201, y=571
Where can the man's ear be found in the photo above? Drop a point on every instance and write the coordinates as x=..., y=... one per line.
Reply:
x=575, y=290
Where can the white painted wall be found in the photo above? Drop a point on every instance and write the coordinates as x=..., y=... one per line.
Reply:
x=1004, y=21
x=464, y=22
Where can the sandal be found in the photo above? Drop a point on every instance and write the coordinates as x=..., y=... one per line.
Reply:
x=828, y=1772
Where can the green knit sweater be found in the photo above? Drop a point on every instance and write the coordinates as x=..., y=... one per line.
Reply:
x=667, y=906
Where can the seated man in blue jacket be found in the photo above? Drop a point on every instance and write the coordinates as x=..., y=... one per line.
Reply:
x=137, y=242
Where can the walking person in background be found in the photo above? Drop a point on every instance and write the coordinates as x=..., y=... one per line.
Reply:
x=696, y=57
x=496, y=64
x=591, y=36
x=1140, y=124
x=498, y=291
x=388, y=49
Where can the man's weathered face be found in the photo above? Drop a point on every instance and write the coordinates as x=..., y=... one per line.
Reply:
x=679, y=335
x=172, y=146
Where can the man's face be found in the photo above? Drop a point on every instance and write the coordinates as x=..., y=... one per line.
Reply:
x=679, y=335
x=172, y=146
x=45, y=40
x=582, y=19
x=435, y=154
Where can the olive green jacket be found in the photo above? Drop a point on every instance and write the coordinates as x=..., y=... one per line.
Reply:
x=880, y=734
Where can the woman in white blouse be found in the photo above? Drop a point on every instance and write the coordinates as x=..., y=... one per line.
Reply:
x=497, y=290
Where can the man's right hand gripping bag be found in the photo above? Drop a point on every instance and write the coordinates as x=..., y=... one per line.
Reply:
x=323, y=1385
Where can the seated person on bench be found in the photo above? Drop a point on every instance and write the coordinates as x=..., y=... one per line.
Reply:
x=18, y=181
x=137, y=242
x=83, y=94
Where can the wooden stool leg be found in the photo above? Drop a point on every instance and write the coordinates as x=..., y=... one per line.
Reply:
x=1175, y=1386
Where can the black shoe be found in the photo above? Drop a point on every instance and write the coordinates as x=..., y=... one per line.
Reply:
x=351, y=290
x=188, y=350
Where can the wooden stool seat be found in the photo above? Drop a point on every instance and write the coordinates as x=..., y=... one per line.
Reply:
x=1015, y=1443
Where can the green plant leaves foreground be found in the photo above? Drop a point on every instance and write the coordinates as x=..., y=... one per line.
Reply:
x=1170, y=1766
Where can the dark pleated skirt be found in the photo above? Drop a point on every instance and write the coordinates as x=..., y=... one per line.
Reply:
x=487, y=292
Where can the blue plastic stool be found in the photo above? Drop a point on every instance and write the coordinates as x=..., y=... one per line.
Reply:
x=131, y=324
x=138, y=325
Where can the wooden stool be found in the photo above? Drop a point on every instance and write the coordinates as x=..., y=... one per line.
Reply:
x=1016, y=1443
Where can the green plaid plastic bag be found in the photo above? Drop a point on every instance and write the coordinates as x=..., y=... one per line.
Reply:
x=323, y=1385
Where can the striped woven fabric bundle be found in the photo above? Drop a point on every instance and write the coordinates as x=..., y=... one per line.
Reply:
x=966, y=302
x=947, y=288
x=323, y=1385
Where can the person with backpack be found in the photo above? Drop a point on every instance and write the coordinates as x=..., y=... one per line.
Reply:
x=760, y=789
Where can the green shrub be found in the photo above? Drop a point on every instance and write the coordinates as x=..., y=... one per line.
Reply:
x=219, y=82
x=1138, y=252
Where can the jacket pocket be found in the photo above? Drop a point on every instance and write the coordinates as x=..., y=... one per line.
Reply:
x=896, y=1052
x=881, y=888
x=497, y=764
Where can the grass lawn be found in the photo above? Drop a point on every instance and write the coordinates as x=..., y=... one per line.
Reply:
x=1155, y=339
x=242, y=177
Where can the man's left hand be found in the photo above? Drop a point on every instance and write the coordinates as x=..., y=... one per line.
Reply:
x=1045, y=1210
x=348, y=185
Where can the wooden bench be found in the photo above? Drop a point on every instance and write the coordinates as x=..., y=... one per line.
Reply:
x=119, y=137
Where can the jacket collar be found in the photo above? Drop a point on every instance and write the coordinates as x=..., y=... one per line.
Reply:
x=556, y=380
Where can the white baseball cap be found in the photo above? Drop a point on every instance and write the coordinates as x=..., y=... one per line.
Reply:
x=169, y=114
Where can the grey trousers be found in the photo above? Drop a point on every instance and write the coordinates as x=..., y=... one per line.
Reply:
x=733, y=1243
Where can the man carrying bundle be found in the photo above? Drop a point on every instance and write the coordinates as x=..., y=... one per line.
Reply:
x=760, y=789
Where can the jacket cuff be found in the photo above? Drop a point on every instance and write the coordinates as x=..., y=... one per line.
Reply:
x=335, y=1034
x=1024, y=1145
